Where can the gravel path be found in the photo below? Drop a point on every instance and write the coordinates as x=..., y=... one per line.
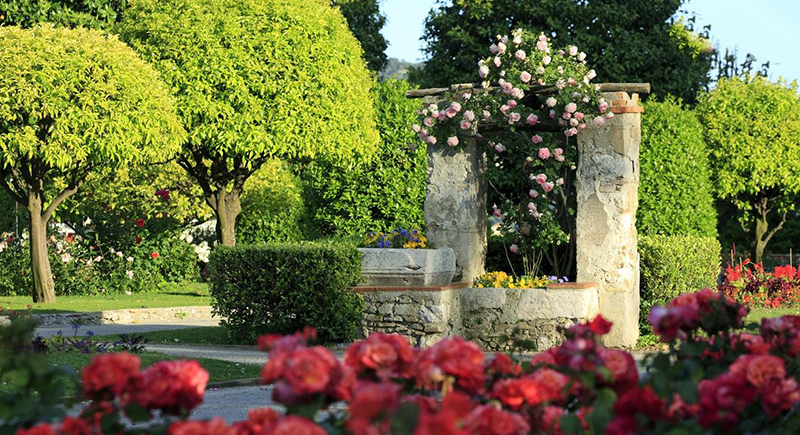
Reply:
x=232, y=404
x=233, y=354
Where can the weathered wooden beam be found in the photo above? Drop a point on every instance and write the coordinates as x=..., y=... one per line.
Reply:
x=639, y=88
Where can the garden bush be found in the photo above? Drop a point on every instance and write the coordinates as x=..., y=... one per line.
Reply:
x=272, y=206
x=672, y=265
x=95, y=14
x=388, y=192
x=280, y=288
x=675, y=191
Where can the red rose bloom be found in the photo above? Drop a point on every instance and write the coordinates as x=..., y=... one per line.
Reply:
x=293, y=425
x=259, y=421
x=600, y=326
x=154, y=255
x=381, y=356
x=622, y=367
x=514, y=392
x=39, y=429
x=488, y=420
x=550, y=420
x=175, y=387
x=372, y=406
x=139, y=223
x=74, y=426
x=758, y=368
x=111, y=375
x=722, y=399
x=138, y=240
x=779, y=395
x=215, y=426
x=502, y=364
x=551, y=385
x=454, y=357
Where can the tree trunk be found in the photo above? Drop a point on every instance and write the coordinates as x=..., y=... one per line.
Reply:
x=43, y=284
x=761, y=230
x=226, y=206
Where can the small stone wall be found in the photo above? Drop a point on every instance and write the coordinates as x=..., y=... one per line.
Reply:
x=487, y=316
x=130, y=316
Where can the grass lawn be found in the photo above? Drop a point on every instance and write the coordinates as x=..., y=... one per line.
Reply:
x=218, y=370
x=211, y=335
x=168, y=295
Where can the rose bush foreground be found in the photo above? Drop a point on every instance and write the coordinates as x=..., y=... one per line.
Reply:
x=713, y=379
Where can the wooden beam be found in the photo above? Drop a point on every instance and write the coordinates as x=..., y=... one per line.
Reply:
x=639, y=88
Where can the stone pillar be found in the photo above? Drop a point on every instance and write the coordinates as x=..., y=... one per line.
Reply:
x=607, y=196
x=455, y=205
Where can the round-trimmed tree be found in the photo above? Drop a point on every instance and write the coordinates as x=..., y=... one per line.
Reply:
x=752, y=127
x=255, y=79
x=72, y=101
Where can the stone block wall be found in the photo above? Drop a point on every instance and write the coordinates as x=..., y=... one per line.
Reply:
x=490, y=317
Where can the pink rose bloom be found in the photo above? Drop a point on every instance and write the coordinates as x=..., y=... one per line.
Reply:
x=532, y=119
x=603, y=107
x=540, y=70
x=442, y=116
x=506, y=87
x=591, y=74
x=452, y=141
x=579, y=116
x=546, y=60
x=581, y=126
x=542, y=37
x=533, y=193
x=499, y=148
x=599, y=121
x=486, y=115
x=541, y=82
x=514, y=118
x=531, y=206
x=517, y=40
x=497, y=62
x=541, y=45
x=541, y=178
x=511, y=103
x=416, y=128
x=544, y=153
x=571, y=132
x=501, y=47
x=450, y=112
x=573, y=50
x=496, y=212
x=536, y=139
x=456, y=106
x=517, y=93
x=551, y=102
x=493, y=49
x=514, y=249
x=525, y=76
x=559, y=158
x=519, y=55
x=428, y=122
x=504, y=108
x=571, y=107
x=547, y=187
x=469, y=115
x=581, y=56
x=552, y=114
x=483, y=71
x=574, y=122
x=558, y=151
x=609, y=115
x=566, y=115
x=560, y=181
x=465, y=125
x=536, y=214
x=560, y=83
x=431, y=140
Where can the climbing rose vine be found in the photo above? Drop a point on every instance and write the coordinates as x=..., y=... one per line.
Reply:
x=715, y=378
x=525, y=83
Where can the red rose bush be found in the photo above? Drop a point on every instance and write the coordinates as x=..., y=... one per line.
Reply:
x=716, y=378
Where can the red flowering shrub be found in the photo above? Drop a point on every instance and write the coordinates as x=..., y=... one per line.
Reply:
x=715, y=379
x=749, y=284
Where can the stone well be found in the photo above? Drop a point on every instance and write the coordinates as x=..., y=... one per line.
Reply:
x=407, y=267
x=487, y=316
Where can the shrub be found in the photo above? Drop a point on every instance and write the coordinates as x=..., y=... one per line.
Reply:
x=389, y=192
x=255, y=80
x=96, y=14
x=675, y=192
x=272, y=206
x=672, y=265
x=281, y=288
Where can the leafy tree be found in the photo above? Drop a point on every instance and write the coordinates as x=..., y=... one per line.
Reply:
x=625, y=41
x=753, y=129
x=253, y=80
x=365, y=20
x=95, y=14
x=675, y=191
x=70, y=102
x=387, y=192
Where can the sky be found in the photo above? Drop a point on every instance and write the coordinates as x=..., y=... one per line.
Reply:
x=769, y=29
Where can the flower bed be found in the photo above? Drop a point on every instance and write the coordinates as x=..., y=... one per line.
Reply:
x=711, y=381
x=750, y=284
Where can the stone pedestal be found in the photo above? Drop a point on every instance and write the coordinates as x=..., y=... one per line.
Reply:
x=406, y=267
x=455, y=205
x=607, y=185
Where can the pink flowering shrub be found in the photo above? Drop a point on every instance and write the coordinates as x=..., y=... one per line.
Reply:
x=525, y=83
x=715, y=379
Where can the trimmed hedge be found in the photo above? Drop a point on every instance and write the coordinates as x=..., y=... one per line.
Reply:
x=672, y=265
x=675, y=191
x=281, y=288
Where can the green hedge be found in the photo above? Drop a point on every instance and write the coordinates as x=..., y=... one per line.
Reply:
x=281, y=288
x=675, y=191
x=672, y=265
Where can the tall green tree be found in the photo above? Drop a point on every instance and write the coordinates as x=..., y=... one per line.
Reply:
x=752, y=127
x=72, y=101
x=365, y=20
x=253, y=80
x=625, y=41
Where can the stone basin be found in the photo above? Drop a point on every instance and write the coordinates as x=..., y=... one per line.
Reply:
x=407, y=267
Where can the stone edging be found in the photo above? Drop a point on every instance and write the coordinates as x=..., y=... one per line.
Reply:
x=123, y=317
